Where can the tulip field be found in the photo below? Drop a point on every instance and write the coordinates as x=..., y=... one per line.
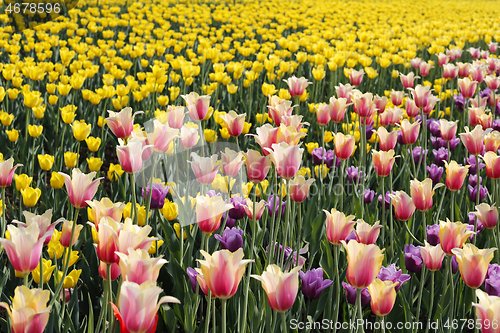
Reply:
x=249, y=166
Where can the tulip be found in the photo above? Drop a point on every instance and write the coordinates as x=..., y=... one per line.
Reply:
x=223, y=271
x=31, y=196
x=364, y=105
x=130, y=155
x=107, y=243
x=368, y=196
x=413, y=258
x=197, y=105
x=158, y=195
x=7, y=172
x=410, y=131
x=344, y=91
x=492, y=162
x=408, y=80
x=259, y=208
x=24, y=246
x=452, y=235
x=467, y=87
x=103, y=270
x=266, y=137
x=397, y=97
x=138, y=267
x=231, y=239
x=492, y=141
x=421, y=193
x=29, y=312
x=80, y=187
x=344, y=145
x=380, y=103
x=299, y=188
x=104, y=207
x=473, y=264
x=390, y=273
x=43, y=221
x=403, y=205
x=232, y=162
x=387, y=141
x=175, y=116
x=322, y=114
x=433, y=234
x=204, y=168
x=66, y=233
x=487, y=311
x=425, y=68
x=273, y=206
x=421, y=95
x=350, y=293
x=338, y=226
x=234, y=122
x=138, y=306
x=364, y=262
x=448, y=129
x=297, y=86
x=432, y=256
x=281, y=288
x=81, y=130
x=411, y=108
x=133, y=236
x=366, y=233
x=356, y=76
x=473, y=141
x=383, y=162
x=455, y=175
x=286, y=159
x=488, y=215
x=162, y=136
x=48, y=269
x=383, y=296
x=122, y=123
x=450, y=71
x=209, y=212
x=313, y=284
x=238, y=211
x=189, y=136
x=337, y=109
x=93, y=143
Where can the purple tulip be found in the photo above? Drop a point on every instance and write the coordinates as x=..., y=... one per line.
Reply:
x=438, y=143
x=454, y=143
x=459, y=102
x=434, y=128
x=418, y=154
x=231, y=239
x=350, y=293
x=369, y=130
x=400, y=138
x=440, y=156
x=390, y=273
x=435, y=173
x=473, y=180
x=368, y=196
x=473, y=192
x=229, y=221
x=353, y=174
x=387, y=199
x=351, y=236
x=313, y=284
x=470, y=227
x=212, y=193
x=318, y=155
x=158, y=195
x=330, y=159
x=433, y=234
x=454, y=264
x=496, y=124
x=238, y=212
x=413, y=258
x=471, y=160
x=492, y=282
x=192, y=273
x=272, y=206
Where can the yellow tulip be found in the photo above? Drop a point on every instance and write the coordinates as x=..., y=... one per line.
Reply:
x=56, y=180
x=22, y=181
x=170, y=210
x=38, y=111
x=71, y=279
x=70, y=159
x=12, y=134
x=45, y=161
x=210, y=135
x=152, y=249
x=94, y=163
x=93, y=143
x=6, y=118
x=31, y=196
x=113, y=171
x=48, y=268
x=81, y=130
x=53, y=99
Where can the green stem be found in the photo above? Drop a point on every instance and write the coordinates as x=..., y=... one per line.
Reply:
x=149, y=195
x=384, y=224
x=273, y=223
x=283, y=322
x=110, y=290
x=25, y=279
x=431, y=304
x=422, y=281
x=452, y=206
x=224, y=310
x=360, y=310
x=103, y=313
x=439, y=208
x=337, y=296
x=209, y=300
x=41, y=271
x=478, y=187
x=135, y=219
x=452, y=291
x=4, y=220
x=363, y=169
x=391, y=221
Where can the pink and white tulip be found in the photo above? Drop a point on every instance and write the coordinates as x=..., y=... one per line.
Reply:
x=80, y=187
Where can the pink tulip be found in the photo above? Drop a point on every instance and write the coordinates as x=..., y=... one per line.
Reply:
x=281, y=288
x=452, y=235
x=66, y=233
x=383, y=162
x=257, y=165
x=279, y=108
x=7, y=172
x=397, y=97
x=259, y=209
x=425, y=68
x=338, y=226
x=80, y=187
x=231, y=162
x=421, y=95
x=289, y=135
x=223, y=271
x=29, y=312
x=430, y=105
x=442, y=59
x=209, y=212
x=189, y=136
x=408, y=80
x=122, y=123
x=450, y=71
x=422, y=192
x=344, y=91
x=364, y=105
x=130, y=155
x=391, y=116
x=266, y=137
x=411, y=108
x=107, y=245
x=493, y=47
x=344, y=145
x=197, y=105
x=103, y=270
x=415, y=63
x=475, y=52
x=409, y=131
x=132, y=236
x=204, y=168
x=175, y=116
x=467, y=87
x=24, y=247
x=473, y=264
x=286, y=159
x=488, y=215
x=337, y=109
x=323, y=114
x=43, y=221
x=463, y=69
x=138, y=267
x=297, y=86
x=162, y=136
x=492, y=162
x=403, y=205
x=477, y=73
x=138, y=306
x=234, y=122
x=455, y=175
x=487, y=311
x=104, y=207
x=364, y=262
x=387, y=141
x=299, y=188
x=432, y=256
x=366, y=233
x=473, y=141
x=293, y=121
x=492, y=82
x=492, y=141
x=143, y=137
x=448, y=129
x=356, y=77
